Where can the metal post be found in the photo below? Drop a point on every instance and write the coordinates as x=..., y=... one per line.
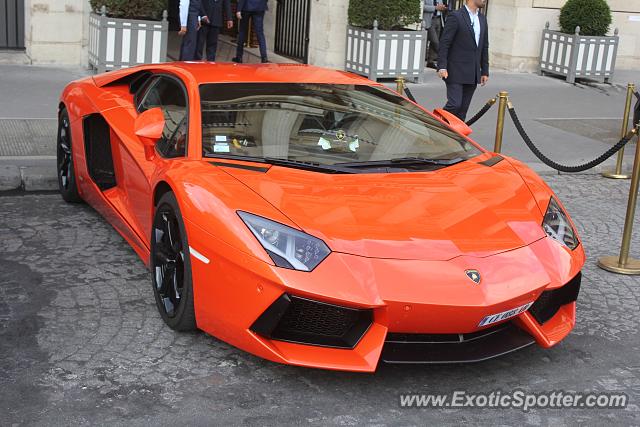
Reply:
x=400, y=85
x=503, y=98
x=623, y=264
x=249, y=34
x=617, y=173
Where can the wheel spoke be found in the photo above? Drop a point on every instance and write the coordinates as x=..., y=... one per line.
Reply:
x=168, y=306
x=176, y=290
x=65, y=146
x=64, y=154
x=163, y=254
x=167, y=279
x=168, y=259
x=167, y=229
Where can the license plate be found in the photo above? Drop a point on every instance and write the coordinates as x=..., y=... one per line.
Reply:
x=493, y=318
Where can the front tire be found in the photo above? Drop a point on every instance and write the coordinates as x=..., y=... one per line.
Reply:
x=64, y=154
x=171, y=266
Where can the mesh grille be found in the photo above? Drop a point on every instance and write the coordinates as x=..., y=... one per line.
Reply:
x=314, y=318
x=305, y=321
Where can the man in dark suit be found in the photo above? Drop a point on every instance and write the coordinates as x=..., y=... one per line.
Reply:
x=463, y=58
x=433, y=14
x=253, y=9
x=211, y=24
x=191, y=13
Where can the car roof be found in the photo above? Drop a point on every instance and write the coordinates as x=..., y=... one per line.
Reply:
x=211, y=72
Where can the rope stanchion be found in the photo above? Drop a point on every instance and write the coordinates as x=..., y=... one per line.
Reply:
x=503, y=99
x=624, y=264
x=482, y=112
x=617, y=172
x=400, y=85
x=557, y=166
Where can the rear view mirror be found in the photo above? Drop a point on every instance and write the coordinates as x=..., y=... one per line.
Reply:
x=453, y=121
x=149, y=126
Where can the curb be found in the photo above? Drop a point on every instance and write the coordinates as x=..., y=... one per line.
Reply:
x=27, y=178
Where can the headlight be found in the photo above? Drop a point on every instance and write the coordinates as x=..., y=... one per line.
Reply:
x=557, y=225
x=287, y=247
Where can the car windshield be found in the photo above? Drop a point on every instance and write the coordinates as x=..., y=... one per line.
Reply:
x=345, y=126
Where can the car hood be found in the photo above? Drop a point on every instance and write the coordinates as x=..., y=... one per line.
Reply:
x=466, y=209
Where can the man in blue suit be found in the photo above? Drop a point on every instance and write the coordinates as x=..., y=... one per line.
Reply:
x=253, y=9
x=211, y=24
x=463, y=58
x=191, y=12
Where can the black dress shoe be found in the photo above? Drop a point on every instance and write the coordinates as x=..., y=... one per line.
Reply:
x=265, y=61
x=432, y=65
x=236, y=60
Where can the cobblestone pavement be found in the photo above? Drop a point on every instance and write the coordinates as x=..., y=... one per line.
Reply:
x=81, y=341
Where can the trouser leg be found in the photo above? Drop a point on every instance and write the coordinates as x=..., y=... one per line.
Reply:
x=212, y=43
x=202, y=38
x=190, y=39
x=242, y=34
x=434, y=39
x=467, y=95
x=258, y=23
x=454, y=98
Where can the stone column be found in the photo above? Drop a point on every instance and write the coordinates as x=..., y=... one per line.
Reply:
x=328, y=33
x=56, y=31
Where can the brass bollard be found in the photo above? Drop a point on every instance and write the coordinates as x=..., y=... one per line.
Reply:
x=400, y=85
x=623, y=264
x=617, y=173
x=249, y=34
x=503, y=98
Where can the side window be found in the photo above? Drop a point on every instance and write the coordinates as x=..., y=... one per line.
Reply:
x=169, y=95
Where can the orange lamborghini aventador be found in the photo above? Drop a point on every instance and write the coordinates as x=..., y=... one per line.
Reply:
x=316, y=218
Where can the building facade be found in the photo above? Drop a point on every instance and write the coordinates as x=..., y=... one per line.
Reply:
x=314, y=31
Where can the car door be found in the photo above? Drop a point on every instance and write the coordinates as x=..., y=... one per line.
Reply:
x=168, y=93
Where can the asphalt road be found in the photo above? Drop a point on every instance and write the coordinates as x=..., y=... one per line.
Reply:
x=81, y=341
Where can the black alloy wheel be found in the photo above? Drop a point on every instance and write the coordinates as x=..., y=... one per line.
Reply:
x=171, y=266
x=66, y=174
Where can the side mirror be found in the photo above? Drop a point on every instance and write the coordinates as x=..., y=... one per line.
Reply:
x=149, y=125
x=453, y=121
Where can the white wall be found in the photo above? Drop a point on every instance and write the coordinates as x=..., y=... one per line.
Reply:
x=515, y=30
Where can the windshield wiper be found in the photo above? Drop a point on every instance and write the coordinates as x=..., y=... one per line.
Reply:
x=313, y=166
x=398, y=161
x=298, y=164
x=443, y=162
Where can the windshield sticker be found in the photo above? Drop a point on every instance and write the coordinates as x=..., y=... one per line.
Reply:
x=324, y=143
x=354, y=145
x=221, y=138
x=221, y=147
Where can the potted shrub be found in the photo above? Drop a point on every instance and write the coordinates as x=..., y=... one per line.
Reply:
x=124, y=33
x=380, y=42
x=581, y=49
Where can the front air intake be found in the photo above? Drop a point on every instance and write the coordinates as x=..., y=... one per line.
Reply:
x=549, y=302
x=306, y=321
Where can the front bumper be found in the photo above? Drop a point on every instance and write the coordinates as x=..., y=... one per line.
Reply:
x=455, y=348
x=402, y=296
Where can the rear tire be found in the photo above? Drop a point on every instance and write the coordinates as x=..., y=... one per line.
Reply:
x=171, y=266
x=66, y=172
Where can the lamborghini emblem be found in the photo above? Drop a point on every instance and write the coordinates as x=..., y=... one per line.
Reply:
x=473, y=275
